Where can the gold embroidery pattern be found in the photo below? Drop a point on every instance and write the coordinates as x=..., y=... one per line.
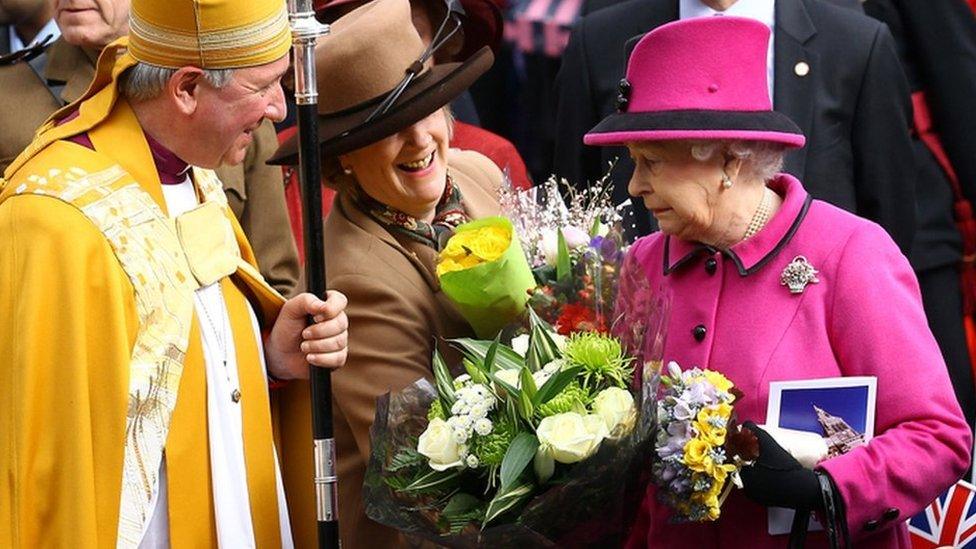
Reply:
x=145, y=243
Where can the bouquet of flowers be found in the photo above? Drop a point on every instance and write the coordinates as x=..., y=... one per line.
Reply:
x=533, y=448
x=575, y=246
x=699, y=445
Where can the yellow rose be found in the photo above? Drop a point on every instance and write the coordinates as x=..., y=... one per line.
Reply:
x=471, y=248
x=698, y=455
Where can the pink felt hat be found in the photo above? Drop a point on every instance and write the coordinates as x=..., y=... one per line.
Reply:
x=701, y=78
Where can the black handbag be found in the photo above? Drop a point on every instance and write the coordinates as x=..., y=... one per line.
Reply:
x=834, y=518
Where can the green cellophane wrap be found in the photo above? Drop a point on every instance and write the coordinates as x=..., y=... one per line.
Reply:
x=493, y=294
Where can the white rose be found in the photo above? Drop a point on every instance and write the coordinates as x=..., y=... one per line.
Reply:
x=520, y=344
x=438, y=444
x=540, y=378
x=510, y=376
x=570, y=437
x=559, y=340
x=616, y=407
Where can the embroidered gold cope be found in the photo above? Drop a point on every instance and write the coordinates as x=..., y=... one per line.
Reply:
x=129, y=367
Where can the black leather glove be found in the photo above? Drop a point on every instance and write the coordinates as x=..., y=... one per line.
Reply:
x=777, y=479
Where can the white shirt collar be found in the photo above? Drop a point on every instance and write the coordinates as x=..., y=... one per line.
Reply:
x=49, y=28
x=763, y=11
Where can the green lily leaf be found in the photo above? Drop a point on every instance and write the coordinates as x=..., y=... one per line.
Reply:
x=433, y=480
x=518, y=456
x=506, y=500
x=527, y=383
x=476, y=373
x=444, y=382
x=525, y=396
x=563, y=266
x=490, y=354
x=542, y=347
x=556, y=383
x=477, y=351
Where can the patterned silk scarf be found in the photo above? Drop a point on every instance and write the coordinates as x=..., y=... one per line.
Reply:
x=448, y=214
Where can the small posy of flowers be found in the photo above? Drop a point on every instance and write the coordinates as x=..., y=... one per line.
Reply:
x=515, y=422
x=699, y=445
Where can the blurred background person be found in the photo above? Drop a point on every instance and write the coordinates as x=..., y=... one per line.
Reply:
x=401, y=189
x=937, y=45
x=26, y=22
x=254, y=190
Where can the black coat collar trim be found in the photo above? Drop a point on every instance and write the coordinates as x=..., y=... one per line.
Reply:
x=704, y=250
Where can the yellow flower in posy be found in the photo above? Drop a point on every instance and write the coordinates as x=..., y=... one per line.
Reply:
x=698, y=455
x=710, y=423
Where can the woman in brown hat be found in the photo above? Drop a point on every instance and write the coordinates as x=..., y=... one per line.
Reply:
x=384, y=133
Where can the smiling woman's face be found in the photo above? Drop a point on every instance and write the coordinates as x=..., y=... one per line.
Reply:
x=407, y=170
x=679, y=190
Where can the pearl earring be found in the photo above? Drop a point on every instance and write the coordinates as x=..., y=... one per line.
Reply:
x=346, y=170
x=726, y=181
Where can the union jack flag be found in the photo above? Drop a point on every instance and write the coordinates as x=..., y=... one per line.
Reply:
x=948, y=521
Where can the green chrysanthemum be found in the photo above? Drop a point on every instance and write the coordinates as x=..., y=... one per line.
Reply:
x=490, y=449
x=602, y=359
x=436, y=410
x=572, y=398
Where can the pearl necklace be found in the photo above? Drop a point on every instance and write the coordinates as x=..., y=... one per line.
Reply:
x=761, y=216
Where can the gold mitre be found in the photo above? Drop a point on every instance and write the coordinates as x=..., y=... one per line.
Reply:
x=210, y=34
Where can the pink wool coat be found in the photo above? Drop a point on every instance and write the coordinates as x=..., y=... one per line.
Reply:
x=864, y=318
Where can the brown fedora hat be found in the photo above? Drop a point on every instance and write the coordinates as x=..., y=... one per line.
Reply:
x=371, y=52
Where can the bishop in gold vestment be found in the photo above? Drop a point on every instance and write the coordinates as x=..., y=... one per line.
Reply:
x=106, y=438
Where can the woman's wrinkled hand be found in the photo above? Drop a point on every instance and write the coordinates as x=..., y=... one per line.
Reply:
x=777, y=479
x=293, y=344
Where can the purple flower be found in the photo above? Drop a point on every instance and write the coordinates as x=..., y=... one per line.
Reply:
x=682, y=409
x=610, y=251
x=699, y=394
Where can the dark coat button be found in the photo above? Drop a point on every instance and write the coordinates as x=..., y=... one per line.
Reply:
x=699, y=332
x=871, y=525
x=891, y=513
x=711, y=265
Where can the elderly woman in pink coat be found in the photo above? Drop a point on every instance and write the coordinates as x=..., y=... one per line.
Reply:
x=694, y=112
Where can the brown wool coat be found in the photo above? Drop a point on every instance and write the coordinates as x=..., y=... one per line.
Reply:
x=255, y=191
x=396, y=312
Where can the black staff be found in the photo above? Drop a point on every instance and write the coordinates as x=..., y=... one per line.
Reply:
x=305, y=30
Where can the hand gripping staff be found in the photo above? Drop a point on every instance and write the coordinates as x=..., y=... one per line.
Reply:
x=305, y=30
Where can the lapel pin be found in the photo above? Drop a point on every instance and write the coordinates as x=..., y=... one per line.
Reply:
x=798, y=274
x=801, y=68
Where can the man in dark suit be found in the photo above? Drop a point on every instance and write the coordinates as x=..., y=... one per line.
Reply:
x=835, y=73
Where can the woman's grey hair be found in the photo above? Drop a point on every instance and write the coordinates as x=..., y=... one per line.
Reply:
x=760, y=160
x=337, y=179
x=144, y=81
